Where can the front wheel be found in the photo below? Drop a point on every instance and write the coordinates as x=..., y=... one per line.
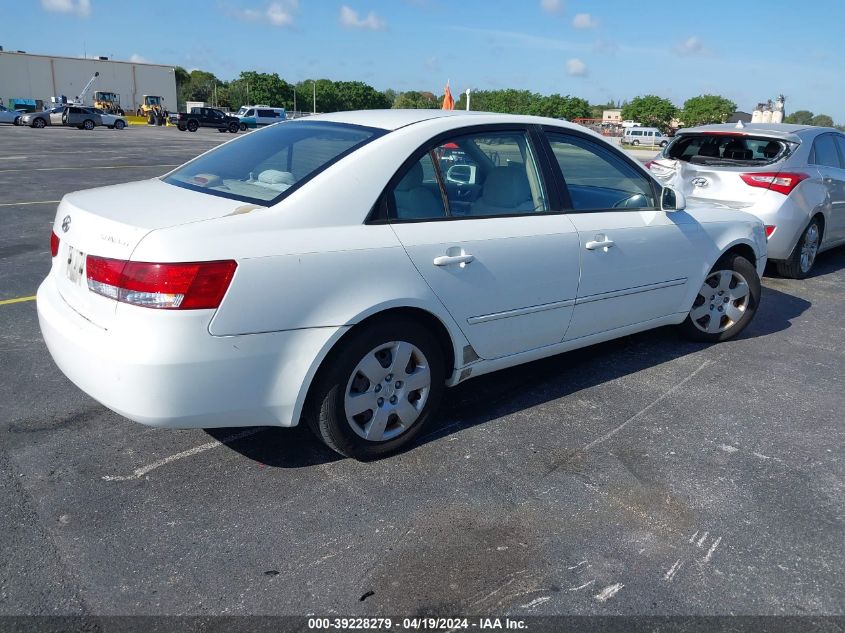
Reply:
x=234, y=127
x=17, y=120
x=375, y=393
x=635, y=142
x=88, y=124
x=243, y=127
x=803, y=256
x=39, y=123
x=726, y=302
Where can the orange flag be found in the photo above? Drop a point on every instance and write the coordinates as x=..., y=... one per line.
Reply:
x=448, y=101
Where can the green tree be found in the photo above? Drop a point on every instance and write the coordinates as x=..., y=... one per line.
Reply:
x=822, y=120
x=356, y=95
x=560, y=107
x=650, y=110
x=801, y=117
x=414, y=99
x=706, y=109
x=252, y=88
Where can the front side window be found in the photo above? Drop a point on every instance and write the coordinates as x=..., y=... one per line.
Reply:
x=824, y=151
x=597, y=179
x=265, y=166
x=477, y=175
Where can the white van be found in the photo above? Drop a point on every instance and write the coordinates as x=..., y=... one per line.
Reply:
x=645, y=136
x=256, y=115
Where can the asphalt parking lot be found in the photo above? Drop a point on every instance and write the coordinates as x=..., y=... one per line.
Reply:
x=644, y=476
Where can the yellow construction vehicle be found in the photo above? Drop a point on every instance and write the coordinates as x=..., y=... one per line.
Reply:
x=108, y=101
x=151, y=104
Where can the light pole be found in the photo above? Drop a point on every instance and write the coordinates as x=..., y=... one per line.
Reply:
x=314, y=110
x=469, y=90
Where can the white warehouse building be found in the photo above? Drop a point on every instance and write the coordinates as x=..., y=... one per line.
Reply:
x=30, y=80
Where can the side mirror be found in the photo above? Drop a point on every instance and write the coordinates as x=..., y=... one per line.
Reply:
x=672, y=200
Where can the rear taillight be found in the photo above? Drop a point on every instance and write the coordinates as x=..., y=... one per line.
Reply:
x=649, y=164
x=782, y=182
x=770, y=229
x=54, y=244
x=184, y=286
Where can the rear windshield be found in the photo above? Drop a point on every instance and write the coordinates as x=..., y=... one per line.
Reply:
x=265, y=166
x=727, y=149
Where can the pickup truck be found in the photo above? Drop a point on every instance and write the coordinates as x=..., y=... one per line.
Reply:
x=206, y=117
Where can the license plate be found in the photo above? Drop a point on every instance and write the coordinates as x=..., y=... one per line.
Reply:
x=75, y=265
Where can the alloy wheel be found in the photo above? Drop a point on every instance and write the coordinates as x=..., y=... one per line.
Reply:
x=387, y=391
x=721, y=302
x=809, y=247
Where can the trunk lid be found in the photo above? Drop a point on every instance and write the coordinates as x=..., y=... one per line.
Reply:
x=111, y=222
x=721, y=185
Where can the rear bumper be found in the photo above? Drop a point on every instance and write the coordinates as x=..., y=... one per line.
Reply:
x=164, y=369
x=789, y=215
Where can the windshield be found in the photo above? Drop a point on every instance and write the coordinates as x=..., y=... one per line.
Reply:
x=264, y=167
x=727, y=149
x=242, y=111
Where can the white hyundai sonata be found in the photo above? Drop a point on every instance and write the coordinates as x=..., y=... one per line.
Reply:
x=342, y=270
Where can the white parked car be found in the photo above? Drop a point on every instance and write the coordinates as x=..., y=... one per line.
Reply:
x=325, y=270
x=112, y=121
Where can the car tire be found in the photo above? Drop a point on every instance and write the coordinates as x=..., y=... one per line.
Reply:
x=664, y=143
x=181, y=127
x=88, y=124
x=193, y=126
x=803, y=256
x=401, y=412
x=733, y=286
x=243, y=127
x=221, y=129
x=635, y=142
x=234, y=128
x=119, y=125
x=17, y=120
x=39, y=123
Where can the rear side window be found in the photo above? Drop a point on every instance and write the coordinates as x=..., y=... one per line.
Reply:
x=267, y=113
x=824, y=151
x=267, y=165
x=598, y=179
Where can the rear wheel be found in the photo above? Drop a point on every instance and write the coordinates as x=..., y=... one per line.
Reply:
x=726, y=302
x=119, y=125
x=193, y=126
x=375, y=393
x=803, y=256
x=181, y=126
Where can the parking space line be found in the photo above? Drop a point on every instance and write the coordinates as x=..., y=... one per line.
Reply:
x=21, y=204
x=4, y=302
x=5, y=171
x=143, y=470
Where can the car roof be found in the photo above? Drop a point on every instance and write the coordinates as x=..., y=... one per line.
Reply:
x=784, y=131
x=394, y=119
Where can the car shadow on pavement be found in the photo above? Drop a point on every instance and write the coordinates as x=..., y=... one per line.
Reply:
x=510, y=390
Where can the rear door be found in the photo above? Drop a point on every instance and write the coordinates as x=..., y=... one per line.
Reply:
x=490, y=247
x=636, y=260
x=829, y=158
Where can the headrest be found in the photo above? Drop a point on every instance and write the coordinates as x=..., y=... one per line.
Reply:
x=771, y=150
x=411, y=180
x=506, y=187
x=276, y=177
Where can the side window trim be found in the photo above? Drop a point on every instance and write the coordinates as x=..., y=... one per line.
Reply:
x=656, y=188
x=438, y=176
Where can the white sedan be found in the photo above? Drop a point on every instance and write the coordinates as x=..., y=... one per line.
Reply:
x=111, y=121
x=342, y=270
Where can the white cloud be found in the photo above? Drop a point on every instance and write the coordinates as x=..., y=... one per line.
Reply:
x=277, y=13
x=79, y=7
x=584, y=21
x=350, y=19
x=690, y=46
x=135, y=58
x=576, y=68
x=551, y=6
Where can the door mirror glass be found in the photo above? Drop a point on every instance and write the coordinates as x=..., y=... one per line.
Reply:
x=672, y=200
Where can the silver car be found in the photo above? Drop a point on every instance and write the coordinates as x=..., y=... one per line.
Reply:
x=790, y=176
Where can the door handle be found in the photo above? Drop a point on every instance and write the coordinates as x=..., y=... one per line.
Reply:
x=605, y=244
x=446, y=260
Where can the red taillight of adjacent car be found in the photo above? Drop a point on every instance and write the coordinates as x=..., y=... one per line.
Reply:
x=782, y=182
x=54, y=244
x=183, y=286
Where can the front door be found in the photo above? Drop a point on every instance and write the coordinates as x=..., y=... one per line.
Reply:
x=505, y=269
x=636, y=260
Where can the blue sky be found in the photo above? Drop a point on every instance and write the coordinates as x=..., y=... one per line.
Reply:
x=615, y=49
